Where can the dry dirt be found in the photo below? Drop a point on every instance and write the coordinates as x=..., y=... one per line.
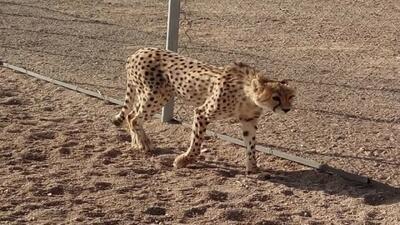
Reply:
x=62, y=162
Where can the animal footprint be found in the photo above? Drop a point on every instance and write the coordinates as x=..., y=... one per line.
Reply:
x=217, y=196
x=101, y=186
x=235, y=214
x=155, y=211
x=195, y=211
x=40, y=135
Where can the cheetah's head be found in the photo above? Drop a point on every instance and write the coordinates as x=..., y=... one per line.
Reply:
x=274, y=95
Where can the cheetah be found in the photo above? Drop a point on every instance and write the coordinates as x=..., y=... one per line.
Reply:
x=237, y=90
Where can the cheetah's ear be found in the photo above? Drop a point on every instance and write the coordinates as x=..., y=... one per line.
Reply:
x=235, y=67
x=262, y=78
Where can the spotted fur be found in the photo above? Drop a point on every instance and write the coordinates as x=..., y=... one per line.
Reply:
x=237, y=90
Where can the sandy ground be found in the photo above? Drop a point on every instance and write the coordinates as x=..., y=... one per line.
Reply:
x=343, y=58
x=64, y=163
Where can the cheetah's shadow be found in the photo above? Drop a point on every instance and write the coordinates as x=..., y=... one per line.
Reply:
x=162, y=151
x=375, y=193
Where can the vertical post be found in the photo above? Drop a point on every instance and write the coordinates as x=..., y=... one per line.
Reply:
x=172, y=45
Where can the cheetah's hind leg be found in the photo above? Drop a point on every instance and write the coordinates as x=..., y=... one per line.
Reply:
x=120, y=119
x=147, y=105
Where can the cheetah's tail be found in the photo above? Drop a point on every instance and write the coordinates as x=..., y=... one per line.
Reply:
x=120, y=118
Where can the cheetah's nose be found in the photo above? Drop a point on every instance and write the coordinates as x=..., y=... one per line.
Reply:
x=286, y=110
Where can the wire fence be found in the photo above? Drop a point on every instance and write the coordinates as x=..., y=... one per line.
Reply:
x=344, y=62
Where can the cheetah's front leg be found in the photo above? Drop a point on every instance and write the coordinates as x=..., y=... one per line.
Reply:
x=200, y=122
x=249, y=136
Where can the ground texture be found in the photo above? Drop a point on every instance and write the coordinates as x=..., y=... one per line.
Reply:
x=62, y=162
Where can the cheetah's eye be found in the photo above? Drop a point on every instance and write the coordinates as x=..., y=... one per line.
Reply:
x=276, y=98
x=291, y=97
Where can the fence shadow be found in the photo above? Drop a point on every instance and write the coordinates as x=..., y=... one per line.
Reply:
x=77, y=18
x=147, y=33
x=210, y=48
x=79, y=36
x=62, y=55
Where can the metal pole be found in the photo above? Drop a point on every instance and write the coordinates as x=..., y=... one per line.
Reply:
x=172, y=45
